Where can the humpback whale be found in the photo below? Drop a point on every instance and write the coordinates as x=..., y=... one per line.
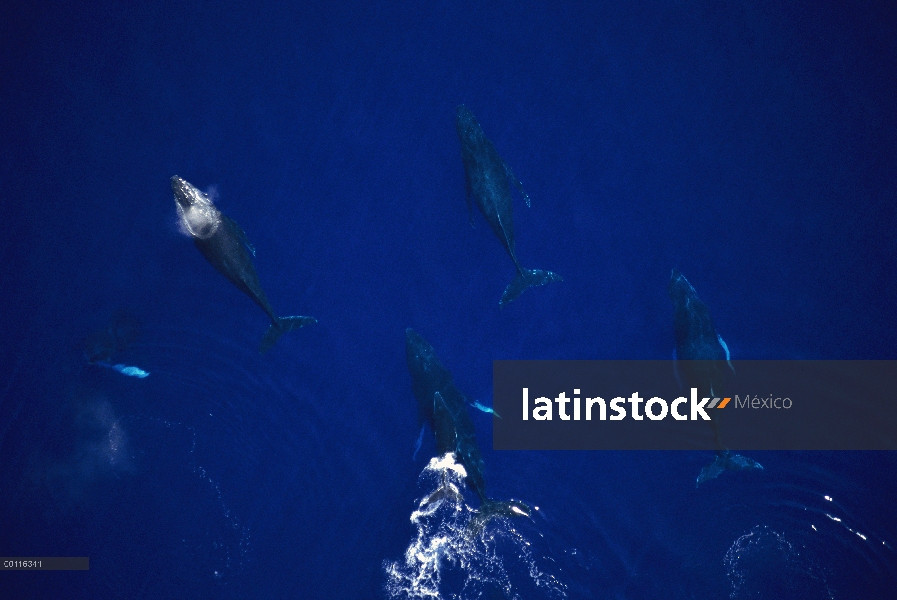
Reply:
x=223, y=243
x=696, y=337
x=119, y=335
x=488, y=181
x=709, y=365
x=101, y=345
x=441, y=404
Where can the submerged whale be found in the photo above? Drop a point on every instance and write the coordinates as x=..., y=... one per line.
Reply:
x=488, y=182
x=101, y=345
x=119, y=335
x=441, y=404
x=696, y=337
x=227, y=248
x=709, y=365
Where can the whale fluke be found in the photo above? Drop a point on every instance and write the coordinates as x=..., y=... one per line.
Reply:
x=283, y=325
x=527, y=278
x=492, y=509
x=726, y=460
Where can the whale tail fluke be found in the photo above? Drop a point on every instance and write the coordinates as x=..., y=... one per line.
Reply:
x=527, y=278
x=727, y=460
x=283, y=325
x=492, y=509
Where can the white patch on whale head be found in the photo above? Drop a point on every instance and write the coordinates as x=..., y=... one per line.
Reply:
x=201, y=219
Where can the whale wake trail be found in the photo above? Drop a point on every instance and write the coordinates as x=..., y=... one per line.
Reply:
x=447, y=559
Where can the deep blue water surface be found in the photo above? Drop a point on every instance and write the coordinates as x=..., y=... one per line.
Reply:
x=751, y=145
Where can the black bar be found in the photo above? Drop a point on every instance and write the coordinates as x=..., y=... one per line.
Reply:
x=44, y=563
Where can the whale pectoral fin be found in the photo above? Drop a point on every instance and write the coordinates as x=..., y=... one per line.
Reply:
x=484, y=408
x=516, y=183
x=420, y=441
x=131, y=371
x=124, y=369
x=282, y=326
x=240, y=234
x=676, y=371
x=722, y=343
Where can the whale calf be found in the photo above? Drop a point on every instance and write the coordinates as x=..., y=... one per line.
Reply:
x=488, y=182
x=223, y=243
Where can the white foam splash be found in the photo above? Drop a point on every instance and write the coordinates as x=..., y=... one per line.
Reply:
x=764, y=564
x=445, y=559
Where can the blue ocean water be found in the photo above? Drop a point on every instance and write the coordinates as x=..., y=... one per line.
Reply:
x=753, y=146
